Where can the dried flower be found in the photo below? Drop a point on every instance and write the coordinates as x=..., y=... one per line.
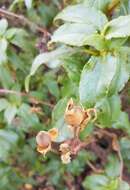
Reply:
x=74, y=115
x=66, y=159
x=44, y=140
x=65, y=153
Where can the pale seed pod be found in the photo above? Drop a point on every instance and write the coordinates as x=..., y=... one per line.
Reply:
x=43, y=139
x=74, y=115
x=64, y=148
x=66, y=159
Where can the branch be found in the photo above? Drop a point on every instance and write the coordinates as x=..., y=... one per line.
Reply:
x=31, y=98
x=23, y=20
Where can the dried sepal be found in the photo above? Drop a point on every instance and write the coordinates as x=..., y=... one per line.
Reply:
x=74, y=115
x=65, y=153
x=64, y=148
x=44, y=150
x=66, y=158
x=53, y=133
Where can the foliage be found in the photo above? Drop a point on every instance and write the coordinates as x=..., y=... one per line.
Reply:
x=64, y=70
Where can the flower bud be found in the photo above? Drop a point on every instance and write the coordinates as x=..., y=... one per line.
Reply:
x=74, y=115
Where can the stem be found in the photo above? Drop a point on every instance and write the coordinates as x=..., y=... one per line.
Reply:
x=24, y=21
x=91, y=52
x=121, y=164
x=112, y=6
x=31, y=98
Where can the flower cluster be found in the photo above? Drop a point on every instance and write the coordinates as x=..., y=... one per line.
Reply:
x=77, y=119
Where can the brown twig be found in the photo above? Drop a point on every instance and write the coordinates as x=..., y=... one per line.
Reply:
x=112, y=6
x=31, y=98
x=23, y=20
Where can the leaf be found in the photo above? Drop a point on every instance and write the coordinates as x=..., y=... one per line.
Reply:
x=104, y=112
x=95, y=182
x=83, y=14
x=122, y=122
x=3, y=48
x=73, y=66
x=74, y=34
x=3, y=104
x=7, y=140
x=117, y=28
x=10, y=113
x=28, y=3
x=108, y=110
x=124, y=186
x=51, y=59
x=98, y=4
x=101, y=77
x=95, y=81
x=110, y=170
x=64, y=132
x=59, y=109
x=3, y=26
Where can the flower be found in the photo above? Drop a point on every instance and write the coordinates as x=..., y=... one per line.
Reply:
x=44, y=140
x=74, y=115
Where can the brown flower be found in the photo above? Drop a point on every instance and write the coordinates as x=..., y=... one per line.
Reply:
x=44, y=140
x=74, y=115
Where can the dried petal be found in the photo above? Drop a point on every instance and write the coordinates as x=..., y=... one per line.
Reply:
x=66, y=158
x=53, y=133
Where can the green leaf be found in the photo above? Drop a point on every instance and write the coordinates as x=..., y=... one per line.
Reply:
x=124, y=186
x=104, y=112
x=95, y=81
x=108, y=110
x=117, y=28
x=83, y=14
x=97, y=41
x=73, y=66
x=28, y=3
x=123, y=122
x=125, y=147
x=98, y=4
x=3, y=48
x=74, y=34
x=7, y=140
x=111, y=171
x=64, y=131
x=10, y=113
x=3, y=26
x=59, y=109
x=51, y=59
x=3, y=104
x=95, y=182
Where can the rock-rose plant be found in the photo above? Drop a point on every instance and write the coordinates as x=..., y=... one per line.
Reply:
x=93, y=49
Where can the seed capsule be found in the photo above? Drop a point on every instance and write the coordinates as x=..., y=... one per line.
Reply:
x=74, y=115
x=43, y=139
